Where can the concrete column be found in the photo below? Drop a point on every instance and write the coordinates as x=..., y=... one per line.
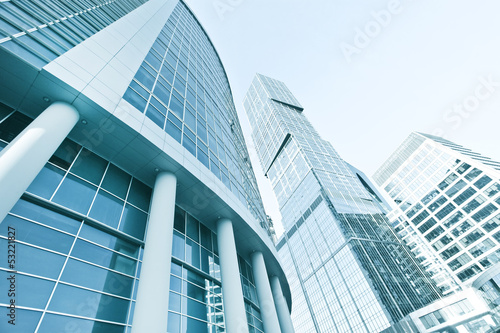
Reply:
x=232, y=293
x=281, y=306
x=26, y=155
x=151, y=308
x=266, y=301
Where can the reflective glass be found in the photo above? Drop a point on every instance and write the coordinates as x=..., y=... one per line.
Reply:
x=192, y=253
x=76, y=194
x=86, y=275
x=32, y=292
x=36, y=234
x=80, y=302
x=65, y=154
x=36, y=261
x=46, y=216
x=107, y=209
x=139, y=195
x=98, y=255
x=26, y=321
x=116, y=181
x=46, y=181
x=133, y=222
x=178, y=245
x=52, y=323
x=89, y=166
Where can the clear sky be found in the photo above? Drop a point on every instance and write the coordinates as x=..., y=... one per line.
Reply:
x=368, y=72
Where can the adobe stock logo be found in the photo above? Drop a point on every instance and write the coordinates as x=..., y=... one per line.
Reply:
x=371, y=30
x=224, y=6
x=456, y=114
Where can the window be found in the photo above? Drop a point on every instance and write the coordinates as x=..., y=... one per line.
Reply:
x=472, y=237
x=474, y=203
x=482, y=247
x=465, y=196
x=472, y=174
x=445, y=211
x=456, y=188
x=450, y=252
x=484, y=212
x=482, y=182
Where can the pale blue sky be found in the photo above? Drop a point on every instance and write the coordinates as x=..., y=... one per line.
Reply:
x=366, y=93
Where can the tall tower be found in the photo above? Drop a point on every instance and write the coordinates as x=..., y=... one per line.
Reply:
x=447, y=199
x=348, y=271
x=125, y=185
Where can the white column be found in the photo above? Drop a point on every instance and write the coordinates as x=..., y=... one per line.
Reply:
x=232, y=293
x=266, y=301
x=26, y=155
x=281, y=306
x=151, y=308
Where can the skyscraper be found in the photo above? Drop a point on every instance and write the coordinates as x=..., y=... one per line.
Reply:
x=125, y=184
x=447, y=207
x=348, y=270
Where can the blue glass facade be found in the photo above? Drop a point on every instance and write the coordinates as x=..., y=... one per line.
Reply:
x=182, y=87
x=349, y=271
x=40, y=31
x=79, y=237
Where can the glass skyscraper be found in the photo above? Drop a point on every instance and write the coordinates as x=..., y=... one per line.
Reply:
x=447, y=199
x=125, y=184
x=348, y=270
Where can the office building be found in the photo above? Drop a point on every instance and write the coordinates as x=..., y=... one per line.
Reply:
x=447, y=201
x=125, y=177
x=347, y=269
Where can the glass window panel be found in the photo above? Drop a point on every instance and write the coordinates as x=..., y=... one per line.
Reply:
x=173, y=131
x=36, y=261
x=193, y=228
x=46, y=181
x=26, y=320
x=65, y=154
x=174, y=323
x=196, y=292
x=205, y=261
x=98, y=255
x=32, y=292
x=75, y=193
x=89, y=166
x=176, y=106
x=46, y=216
x=105, y=239
x=206, y=237
x=13, y=125
x=197, y=310
x=116, y=181
x=174, y=302
x=139, y=195
x=86, y=275
x=156, y=116
x=133, y=222
x=179, y=220
x=55, y=323
x=135, y=99
x=192, y=253
x=36, y=234
x=175, y=284
x=178, y=245
x=80, y=302
x=188, y=144
x=107, y=209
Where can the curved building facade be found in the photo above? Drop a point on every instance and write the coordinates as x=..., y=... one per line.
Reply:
x=125, y=184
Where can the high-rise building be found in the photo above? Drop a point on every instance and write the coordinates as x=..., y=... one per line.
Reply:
x=348, y=270
x=126, y=189
x=447, y=201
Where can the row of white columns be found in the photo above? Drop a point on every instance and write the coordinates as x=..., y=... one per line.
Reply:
x=26, y=155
